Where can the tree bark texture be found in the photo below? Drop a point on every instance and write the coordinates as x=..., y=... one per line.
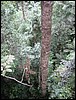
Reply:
x=46, y=10
x=23, y=10
x=27, y=66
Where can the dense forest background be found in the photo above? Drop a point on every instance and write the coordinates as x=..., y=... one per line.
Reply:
x=21, y=37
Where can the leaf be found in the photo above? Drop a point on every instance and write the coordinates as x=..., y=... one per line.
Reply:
x=3, y=64
x=71, y=55
x=8, y=70
x=74, y=42
x=57, y=91
x=1, y=68
x=31, y=56
x=58, y=56
x=8, y=66
x=66, y=50
x=4, y=71
x=64, y=7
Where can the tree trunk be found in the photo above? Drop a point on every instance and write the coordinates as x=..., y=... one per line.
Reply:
x=46, y=8
x=23, y=10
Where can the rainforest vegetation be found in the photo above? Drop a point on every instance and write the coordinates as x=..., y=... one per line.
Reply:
x=38, y=49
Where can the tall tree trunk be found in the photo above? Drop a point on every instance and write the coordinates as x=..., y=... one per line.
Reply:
x=23, y=10
x=46, y=8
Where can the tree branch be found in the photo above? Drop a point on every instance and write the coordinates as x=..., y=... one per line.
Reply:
x=16, y=80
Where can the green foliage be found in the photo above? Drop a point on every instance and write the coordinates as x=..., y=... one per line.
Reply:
x=62, y=28
x=62, y=47
x=61, y=81
x=7, y=63
x=20, y=38
x=59, y=88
